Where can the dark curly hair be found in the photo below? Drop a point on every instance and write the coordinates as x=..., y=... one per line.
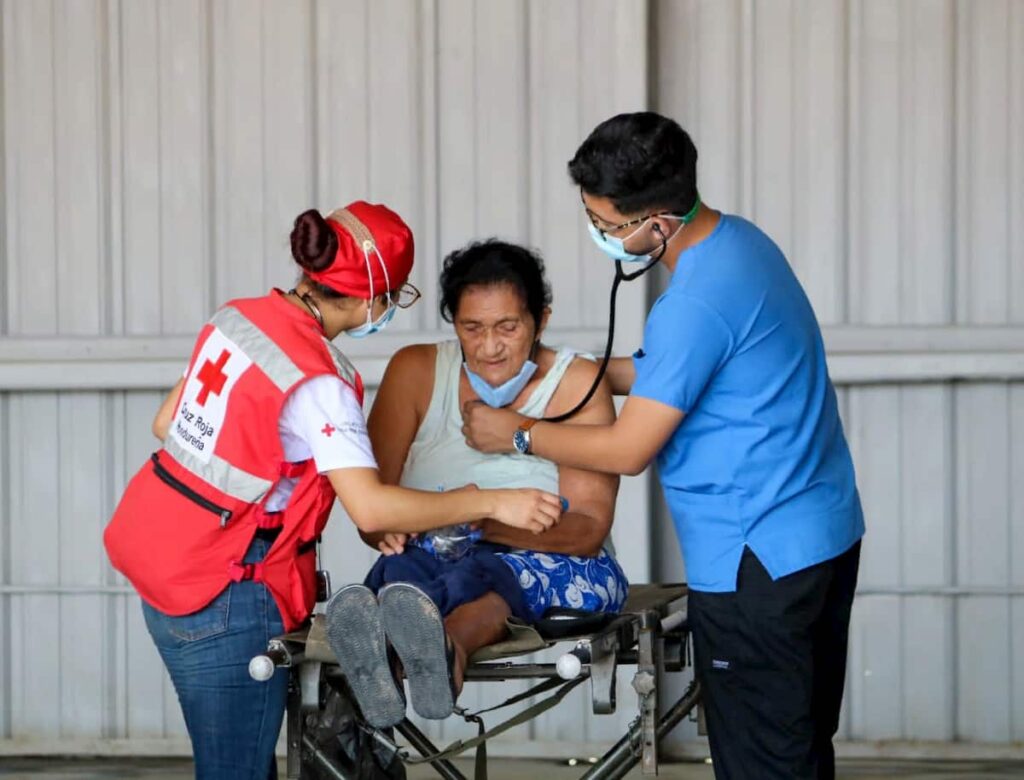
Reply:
x=641, y=162
x=493, y=262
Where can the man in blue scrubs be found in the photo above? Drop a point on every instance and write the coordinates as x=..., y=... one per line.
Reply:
x=731, y=394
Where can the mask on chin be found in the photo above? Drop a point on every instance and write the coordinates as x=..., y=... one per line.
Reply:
x=507, y=392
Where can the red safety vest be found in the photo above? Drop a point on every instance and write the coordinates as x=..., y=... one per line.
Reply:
x=188, y=516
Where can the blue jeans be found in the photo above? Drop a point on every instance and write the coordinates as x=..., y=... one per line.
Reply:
x=233, y=721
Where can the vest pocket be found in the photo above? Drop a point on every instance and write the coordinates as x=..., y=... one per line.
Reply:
x=169, y=479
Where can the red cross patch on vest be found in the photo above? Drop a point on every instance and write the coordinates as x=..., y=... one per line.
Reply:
x=200, y=416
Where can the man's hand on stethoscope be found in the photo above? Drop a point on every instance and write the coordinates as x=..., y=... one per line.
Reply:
x=489, y=430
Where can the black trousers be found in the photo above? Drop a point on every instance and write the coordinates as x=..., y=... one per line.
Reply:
x=771, y=659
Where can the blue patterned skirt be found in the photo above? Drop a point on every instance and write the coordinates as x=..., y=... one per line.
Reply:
x=530, y=582
x=555, y=580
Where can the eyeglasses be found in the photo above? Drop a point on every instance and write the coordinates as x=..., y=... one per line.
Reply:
x=594, y=219
x=405, y=296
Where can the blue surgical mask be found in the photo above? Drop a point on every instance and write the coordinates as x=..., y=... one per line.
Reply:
x=506, y=393
x=615, y=247
x=371, y=325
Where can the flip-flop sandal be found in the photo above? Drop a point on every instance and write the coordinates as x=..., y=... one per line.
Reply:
x=356, y=635
x=416, y=630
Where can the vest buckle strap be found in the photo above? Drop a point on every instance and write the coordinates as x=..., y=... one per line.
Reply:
x=293, y=470
x=238, y=572
x=269, y=521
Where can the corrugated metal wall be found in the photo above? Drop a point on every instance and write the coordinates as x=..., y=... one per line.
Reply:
x=154, y=155
x=882, y=145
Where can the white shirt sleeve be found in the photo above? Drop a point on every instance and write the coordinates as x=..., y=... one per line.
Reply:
x=324, y=420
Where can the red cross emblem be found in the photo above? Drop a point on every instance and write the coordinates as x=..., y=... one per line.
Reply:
x=327, y=430
x=212, y=377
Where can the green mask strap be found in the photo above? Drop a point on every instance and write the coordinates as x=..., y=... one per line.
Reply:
x=690, y=215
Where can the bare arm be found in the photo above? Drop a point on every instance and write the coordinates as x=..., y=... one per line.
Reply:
x=584, y=527
x=626, y=446
x=398, y=409
x=162, y=421
x=376, y=507
x=620, y=375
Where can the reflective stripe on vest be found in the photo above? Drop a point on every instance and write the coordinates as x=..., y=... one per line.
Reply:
x=271, y=359
x=228, y=479
x=345, y=369
x=282, y=371
x=258, y=347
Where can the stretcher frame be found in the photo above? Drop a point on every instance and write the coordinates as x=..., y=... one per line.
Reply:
x=650, y=633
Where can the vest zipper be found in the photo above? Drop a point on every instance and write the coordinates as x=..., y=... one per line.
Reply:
x=169, y=479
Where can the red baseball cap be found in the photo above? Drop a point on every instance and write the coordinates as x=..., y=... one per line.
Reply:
x=368, y=233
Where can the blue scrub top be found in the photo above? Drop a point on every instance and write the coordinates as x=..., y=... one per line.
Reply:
x=760, y=459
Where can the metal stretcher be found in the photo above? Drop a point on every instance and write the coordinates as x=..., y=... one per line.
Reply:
x=327, y=737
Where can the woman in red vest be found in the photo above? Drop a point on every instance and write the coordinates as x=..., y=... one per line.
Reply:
x=217, y=531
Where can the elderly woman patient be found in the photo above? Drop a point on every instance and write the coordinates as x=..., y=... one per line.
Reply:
x=431, y=601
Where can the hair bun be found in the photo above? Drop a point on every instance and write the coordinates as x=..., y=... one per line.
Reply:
x=314, y=244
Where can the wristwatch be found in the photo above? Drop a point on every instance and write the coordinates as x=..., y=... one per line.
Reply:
x=521, y=438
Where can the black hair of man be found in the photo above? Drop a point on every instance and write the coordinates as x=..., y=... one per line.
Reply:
x=643, y=162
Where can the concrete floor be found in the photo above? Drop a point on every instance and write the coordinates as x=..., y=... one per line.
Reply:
x=500, y=769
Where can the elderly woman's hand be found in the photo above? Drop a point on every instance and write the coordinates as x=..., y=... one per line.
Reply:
x=394, y=543
x=487, y=429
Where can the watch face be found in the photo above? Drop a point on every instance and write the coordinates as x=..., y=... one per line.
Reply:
x=519, y=441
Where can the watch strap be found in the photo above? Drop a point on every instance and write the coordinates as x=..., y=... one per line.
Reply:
x=529, y=424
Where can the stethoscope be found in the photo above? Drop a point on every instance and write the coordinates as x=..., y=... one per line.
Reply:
x=619, y=278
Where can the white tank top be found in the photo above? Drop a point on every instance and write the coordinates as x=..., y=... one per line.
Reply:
x=440, y=459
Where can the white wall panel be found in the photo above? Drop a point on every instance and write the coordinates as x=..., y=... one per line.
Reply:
x=925, y=517
x=139, y=170
x=5, y=556
x=983, y=549
x=185, y=167
x=30, y=168
x=35, y=524
x=989, y=135
x=1016, y=549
